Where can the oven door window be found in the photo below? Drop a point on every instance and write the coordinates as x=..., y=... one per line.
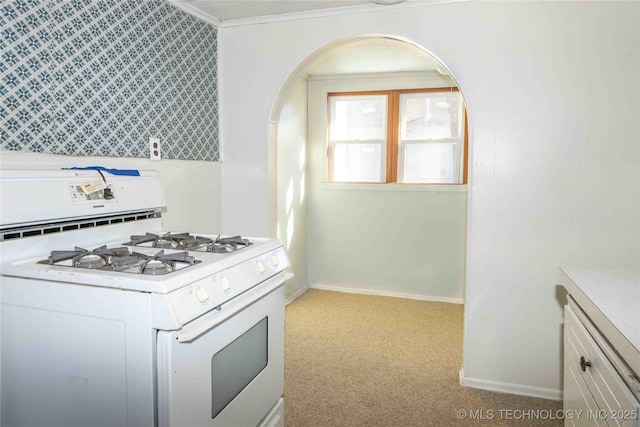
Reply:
x=237, y=364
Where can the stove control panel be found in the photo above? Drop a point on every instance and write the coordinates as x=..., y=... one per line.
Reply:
x=214, y=291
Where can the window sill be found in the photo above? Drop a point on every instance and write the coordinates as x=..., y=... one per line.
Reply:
x=443, y=188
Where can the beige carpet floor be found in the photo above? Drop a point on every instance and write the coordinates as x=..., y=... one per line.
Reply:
x=367, y=361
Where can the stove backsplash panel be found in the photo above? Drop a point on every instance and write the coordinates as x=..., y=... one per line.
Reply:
x=99, y=77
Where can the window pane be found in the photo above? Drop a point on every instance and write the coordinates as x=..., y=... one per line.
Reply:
x=358, y=117
x=432, y=163
x=357, y=162
x=431, y=115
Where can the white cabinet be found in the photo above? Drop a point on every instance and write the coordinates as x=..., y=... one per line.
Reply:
x=597, y=382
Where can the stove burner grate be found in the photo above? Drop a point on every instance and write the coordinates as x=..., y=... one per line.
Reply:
x=217, y=245
x=189, y=242
x=166, y=241
x=120, y=259
x=84, y=258
x=162, y=263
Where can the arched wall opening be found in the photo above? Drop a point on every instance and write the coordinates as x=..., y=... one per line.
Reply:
x=302, y=213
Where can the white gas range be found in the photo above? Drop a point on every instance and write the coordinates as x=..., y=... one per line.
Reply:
x=107, y=319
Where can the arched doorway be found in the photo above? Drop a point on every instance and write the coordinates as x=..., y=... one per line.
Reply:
x=366, y=61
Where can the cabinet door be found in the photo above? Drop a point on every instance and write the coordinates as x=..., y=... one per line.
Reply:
x=610, y=397
x=578, y=402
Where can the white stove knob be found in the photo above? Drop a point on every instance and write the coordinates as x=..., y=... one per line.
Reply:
x=224, y=284
x=260, y=268
x=274, y=260
x=201, y=294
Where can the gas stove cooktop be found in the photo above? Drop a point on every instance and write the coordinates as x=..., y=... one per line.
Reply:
x=124, y=259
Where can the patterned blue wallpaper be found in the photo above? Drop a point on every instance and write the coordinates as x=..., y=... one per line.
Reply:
x=99, y=77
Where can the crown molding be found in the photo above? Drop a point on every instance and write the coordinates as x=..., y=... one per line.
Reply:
x=294, y=16
x=188, y=8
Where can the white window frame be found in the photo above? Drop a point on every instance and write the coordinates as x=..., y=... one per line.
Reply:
x=334, y=143
x=458, y=142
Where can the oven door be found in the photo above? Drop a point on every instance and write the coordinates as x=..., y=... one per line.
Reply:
x=227, y=367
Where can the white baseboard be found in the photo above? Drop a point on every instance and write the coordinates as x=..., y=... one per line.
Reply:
x=510, y=388
x=387, y=294
x=296, y=295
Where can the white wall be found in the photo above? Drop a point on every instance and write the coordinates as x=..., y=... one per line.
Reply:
x=391, y=239
x=552, y=92
x=191, y=188
x=402, y=241
x=292, y=199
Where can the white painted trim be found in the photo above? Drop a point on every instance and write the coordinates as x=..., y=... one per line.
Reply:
x=441, y=188
x=335, y=11
x=510, y=388
x=294, y=16
x=295, y=296
x=421, y=75
x=186, y=7
x=386, y=293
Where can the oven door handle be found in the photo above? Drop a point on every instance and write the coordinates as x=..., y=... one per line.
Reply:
x=192, y=332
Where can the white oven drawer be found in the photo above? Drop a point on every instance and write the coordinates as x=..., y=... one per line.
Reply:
x=607, y=399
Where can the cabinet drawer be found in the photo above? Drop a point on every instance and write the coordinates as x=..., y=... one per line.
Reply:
x=584, y=358
x=577, y=398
